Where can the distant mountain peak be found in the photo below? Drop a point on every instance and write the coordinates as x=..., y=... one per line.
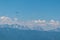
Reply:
x=31, y=25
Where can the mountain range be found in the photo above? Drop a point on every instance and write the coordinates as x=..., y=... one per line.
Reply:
x=17, y=32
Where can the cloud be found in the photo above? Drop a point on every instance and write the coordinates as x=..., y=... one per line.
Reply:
x=54, y=23
x=5, y=20
x=44, y=24
x=40, y=22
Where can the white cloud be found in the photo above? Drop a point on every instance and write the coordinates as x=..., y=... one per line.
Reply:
x=44, y=24
x=40, y=22
x=54, y=23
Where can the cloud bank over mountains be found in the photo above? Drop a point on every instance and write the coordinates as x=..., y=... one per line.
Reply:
x=46, y=25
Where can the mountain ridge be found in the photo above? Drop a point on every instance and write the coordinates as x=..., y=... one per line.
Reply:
x=21, y=27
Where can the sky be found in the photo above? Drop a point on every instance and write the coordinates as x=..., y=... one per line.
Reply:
x=31, y=13
x=31, y=9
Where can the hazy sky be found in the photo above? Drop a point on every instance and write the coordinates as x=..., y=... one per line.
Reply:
x=31, y=9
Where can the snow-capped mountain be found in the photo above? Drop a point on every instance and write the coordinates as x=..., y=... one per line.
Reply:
x=28, y=30
x=40, y=25
x=16, y=26
x=22, y=27
x=9, y=32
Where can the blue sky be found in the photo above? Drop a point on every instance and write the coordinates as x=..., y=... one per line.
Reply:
x=31, y=9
